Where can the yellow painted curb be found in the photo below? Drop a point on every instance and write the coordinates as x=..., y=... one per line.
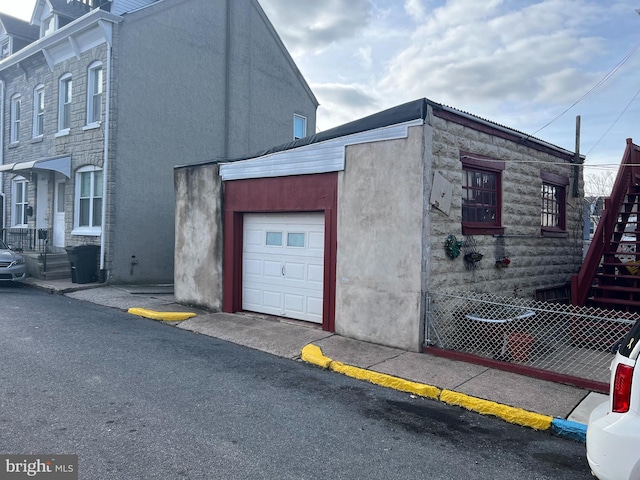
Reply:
x=486, y=407
x=164, y=316
x=312, y=354
x=385, y=380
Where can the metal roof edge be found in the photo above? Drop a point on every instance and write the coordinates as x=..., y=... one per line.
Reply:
x=59, y=36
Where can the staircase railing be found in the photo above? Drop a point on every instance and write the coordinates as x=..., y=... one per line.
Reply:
x=628, y=174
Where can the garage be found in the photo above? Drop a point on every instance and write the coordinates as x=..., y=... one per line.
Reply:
x=283, y=264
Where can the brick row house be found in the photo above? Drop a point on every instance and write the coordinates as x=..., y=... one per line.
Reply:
x=100, y=99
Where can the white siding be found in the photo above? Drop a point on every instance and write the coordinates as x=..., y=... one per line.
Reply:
x=123, y=6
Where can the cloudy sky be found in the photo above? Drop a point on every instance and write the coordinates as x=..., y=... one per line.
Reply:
x=532, y=65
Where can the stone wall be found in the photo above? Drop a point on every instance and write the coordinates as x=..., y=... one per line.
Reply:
x=536, y=261
x=84, y=146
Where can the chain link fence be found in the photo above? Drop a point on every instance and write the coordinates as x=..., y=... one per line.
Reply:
x=559, y=338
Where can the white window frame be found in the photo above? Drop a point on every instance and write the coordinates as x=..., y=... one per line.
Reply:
x=52, y=22
x=38, y=113
x=16, y=112
x=91, y=229
x=8, y=43
x=94, y=94
x=19, y=205
x=299, y=120
x=64, y=103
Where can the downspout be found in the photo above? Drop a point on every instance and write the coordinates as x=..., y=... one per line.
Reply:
x=105, y=164
x=4, y=207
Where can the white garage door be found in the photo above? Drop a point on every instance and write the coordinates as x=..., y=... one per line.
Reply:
x=283, y=265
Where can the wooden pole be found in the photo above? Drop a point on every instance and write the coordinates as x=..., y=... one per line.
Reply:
x=576, y=161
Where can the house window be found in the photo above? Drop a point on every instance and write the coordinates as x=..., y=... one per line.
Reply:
x=88, y=203
x=48, y=26
x=64, y=104
x=16, y=103
x=299, y=127
x=5, y=49
x=20, y=202
x=553, y=196
x=38, y=111
x=94, y=93
x=481, y=195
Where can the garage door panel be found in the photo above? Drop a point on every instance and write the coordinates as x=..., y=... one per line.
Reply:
x=283, y=258
x=294, y=303
x=314, y=306
x=316, y=274
x=295, y=271
x=316, y=242
x=252, y=296
x=253, y=238
x=272, y=269
x=272, y=299
x=252, y=267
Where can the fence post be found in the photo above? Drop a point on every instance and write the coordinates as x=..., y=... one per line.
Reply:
x=427, y=315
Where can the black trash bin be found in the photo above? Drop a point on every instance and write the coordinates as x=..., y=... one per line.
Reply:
x=84, y=263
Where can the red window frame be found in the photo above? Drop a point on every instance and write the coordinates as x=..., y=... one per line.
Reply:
x=482, y=169
x=553, y=208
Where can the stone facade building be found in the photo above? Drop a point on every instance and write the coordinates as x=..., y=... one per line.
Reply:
x=351, y=228
x=97, y=111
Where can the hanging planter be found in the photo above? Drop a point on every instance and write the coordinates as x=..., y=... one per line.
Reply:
x=473, y=257
x=503, y=262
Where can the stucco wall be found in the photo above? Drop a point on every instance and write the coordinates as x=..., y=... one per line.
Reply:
x=378, y=270
x=186, y=95
x=198, y=259
x=537, y=261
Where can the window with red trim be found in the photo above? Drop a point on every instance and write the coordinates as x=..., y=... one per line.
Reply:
x=481, y=195
x=554, y=205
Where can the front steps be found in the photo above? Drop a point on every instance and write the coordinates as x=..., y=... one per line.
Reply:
x=57, y=265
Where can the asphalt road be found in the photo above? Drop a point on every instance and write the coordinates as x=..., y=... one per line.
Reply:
x=138, y=399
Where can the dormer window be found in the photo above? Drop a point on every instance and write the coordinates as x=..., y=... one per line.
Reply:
x=48, y=26
x=5, y=48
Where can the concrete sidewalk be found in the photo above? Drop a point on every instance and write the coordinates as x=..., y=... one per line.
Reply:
x=516, y=398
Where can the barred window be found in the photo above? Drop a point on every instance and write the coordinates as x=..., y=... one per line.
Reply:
x=481, y=195
x=553, y=198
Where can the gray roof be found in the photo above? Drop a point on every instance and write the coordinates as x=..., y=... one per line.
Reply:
x=19, y=28
x=414, y=110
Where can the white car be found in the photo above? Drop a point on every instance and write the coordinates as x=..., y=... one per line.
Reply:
x=12, y=265
x=613, y=432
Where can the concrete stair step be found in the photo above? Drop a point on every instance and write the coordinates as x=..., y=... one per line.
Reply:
x=55, y=275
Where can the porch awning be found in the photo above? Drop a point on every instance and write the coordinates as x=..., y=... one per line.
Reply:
x=60, y=164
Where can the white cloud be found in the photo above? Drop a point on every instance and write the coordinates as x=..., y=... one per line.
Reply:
x=318, y=25
x=415, y=9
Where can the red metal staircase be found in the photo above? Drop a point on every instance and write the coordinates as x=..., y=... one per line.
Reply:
x=610, y=274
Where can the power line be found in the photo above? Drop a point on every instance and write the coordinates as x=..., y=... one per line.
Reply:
x=594, y=88
x=614, y=122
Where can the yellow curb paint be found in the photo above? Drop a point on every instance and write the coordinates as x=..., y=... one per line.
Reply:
x=164, y=316
x=312, y=354
x=385, y=380
x=486, y=407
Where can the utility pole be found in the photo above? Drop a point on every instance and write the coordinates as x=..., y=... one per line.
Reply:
x=576, y=161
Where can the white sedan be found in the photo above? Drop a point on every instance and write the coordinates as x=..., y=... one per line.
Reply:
x=613, y=432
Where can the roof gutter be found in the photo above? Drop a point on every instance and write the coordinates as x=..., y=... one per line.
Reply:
x=59, y=36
